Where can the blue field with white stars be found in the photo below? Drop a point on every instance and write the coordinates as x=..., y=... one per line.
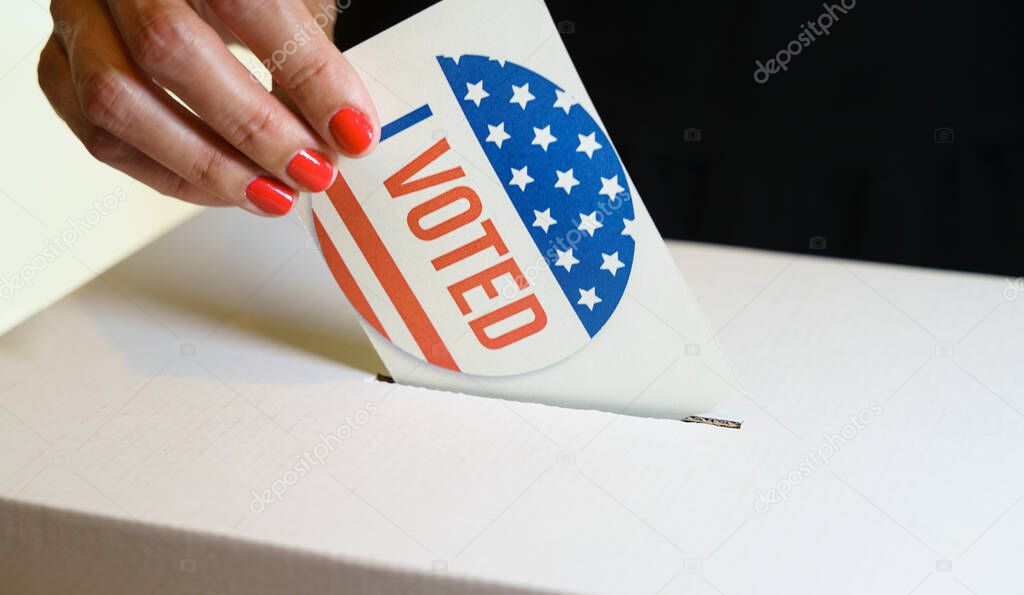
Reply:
x=559, y=170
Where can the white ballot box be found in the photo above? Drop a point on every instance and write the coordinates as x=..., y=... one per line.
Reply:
x=205, y=417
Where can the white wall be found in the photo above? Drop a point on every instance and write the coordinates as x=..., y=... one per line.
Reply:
x=49, y=186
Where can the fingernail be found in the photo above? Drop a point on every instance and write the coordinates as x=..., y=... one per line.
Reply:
x=270, y=196
x=312, y=170
x=352, y=130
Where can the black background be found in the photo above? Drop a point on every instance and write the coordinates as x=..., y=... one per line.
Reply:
x=837, y=155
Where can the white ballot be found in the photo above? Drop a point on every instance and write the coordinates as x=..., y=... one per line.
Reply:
x=493, y=243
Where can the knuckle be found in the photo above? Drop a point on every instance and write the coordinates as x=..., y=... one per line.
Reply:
x=177, y=187
x=104, y=146
x=229, y=8
x=57, y=10
x=309, y=70
x=105, y=97
x=44, y=70
x=168, y=183
x=206, y=169
x=254, y=125
x=49, y=75
x=161, y=40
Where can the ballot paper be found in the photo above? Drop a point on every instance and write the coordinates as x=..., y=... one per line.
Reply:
x=494, y=243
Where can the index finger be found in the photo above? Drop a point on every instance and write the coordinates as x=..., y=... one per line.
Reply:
x=304, y=62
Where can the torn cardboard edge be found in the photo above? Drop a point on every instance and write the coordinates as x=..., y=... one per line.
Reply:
x=690, y=419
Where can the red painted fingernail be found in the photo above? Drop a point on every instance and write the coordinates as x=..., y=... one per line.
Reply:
x=269, y=195
x=312, y=170
x=352, y=130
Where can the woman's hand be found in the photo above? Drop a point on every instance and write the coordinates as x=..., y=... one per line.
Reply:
x=110, y=64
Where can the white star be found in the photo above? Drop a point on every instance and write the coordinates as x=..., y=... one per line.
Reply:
x=500, y=61
x=521, y=95
x=565, y=259
x=543, y=137
x=497, y=134
x=566, y=180
x=475, y=92
x=611, y=262
x=589, y=223
x=588, y=298
x=543, y=219
x=588, y=144
x=629, y=228
x=456, y=59
x=564, y=100
x=520, y=178
x=610, y=187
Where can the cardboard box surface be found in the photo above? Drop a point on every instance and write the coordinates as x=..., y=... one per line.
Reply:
x=172, y=428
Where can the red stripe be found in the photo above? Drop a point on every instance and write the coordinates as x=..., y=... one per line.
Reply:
x=391, y=279
x=345, y=280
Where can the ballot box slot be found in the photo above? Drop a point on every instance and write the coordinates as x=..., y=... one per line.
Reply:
x=690, y=419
